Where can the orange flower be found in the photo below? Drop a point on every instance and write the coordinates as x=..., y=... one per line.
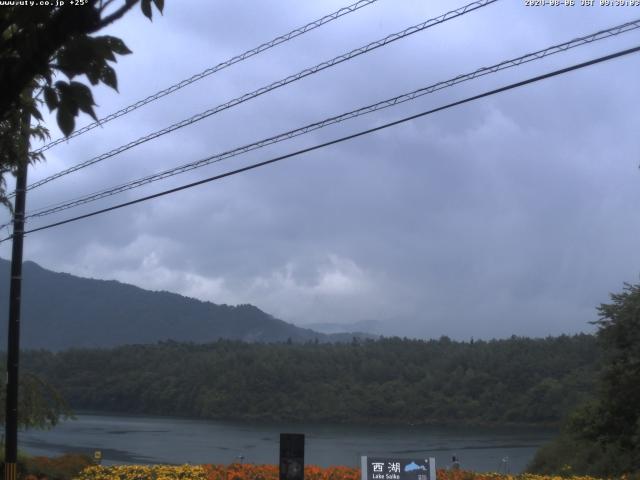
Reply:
x=248, y=471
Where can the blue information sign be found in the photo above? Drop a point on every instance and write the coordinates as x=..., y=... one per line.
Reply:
x=385, y=468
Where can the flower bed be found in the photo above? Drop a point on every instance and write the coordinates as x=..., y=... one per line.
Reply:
x=269, y=472
x=210, y=472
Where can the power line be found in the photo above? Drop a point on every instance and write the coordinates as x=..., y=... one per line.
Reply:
x=280, y=83
x=341, y=139
x=587, y=39
x=211, y=70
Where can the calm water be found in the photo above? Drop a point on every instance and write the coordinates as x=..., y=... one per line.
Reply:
x=136, y=439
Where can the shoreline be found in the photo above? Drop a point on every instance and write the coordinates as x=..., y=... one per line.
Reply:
x=261, y=421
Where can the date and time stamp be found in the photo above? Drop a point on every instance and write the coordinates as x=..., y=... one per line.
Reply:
x=581, y=3
x=526, y=3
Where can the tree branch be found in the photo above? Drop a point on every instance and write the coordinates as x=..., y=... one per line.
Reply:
x=104, y=5
x=17, y=73
x=128, y=4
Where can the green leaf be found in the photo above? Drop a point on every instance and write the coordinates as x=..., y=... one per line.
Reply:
x=10, y=31
x=93, y=74
x=107, y=54
x=39, y=132
x=108, y=77
x=81, y=93
x=159, y=4
x=117, y=45
x=50, y=98
x=66, y=120
x=89, y=111
x=68, y=103
x=83, y=97
x=35, y=113
x=146, y=8
x=78, y=54
x=103, y=49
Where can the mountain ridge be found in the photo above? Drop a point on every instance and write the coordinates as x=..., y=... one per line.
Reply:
x=61, y=310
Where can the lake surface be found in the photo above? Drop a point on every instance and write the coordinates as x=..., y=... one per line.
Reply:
x=148, y=440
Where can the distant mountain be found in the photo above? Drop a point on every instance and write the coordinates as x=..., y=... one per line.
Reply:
x=60, y=311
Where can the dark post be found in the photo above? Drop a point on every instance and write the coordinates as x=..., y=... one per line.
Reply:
x=13, y=350
x=291, y=456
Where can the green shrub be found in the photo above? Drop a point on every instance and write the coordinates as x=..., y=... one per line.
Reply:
x=63, y=467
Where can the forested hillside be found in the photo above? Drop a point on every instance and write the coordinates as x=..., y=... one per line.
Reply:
x=519, y=380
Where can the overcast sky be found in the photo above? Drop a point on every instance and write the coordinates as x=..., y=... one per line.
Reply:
x=515, y=214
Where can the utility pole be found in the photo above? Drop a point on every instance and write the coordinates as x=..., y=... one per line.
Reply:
x=15, y=290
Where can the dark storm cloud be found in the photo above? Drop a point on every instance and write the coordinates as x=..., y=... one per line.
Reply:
x=512, y=215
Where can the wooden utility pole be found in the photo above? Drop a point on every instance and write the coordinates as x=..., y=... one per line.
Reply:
x=15, y=290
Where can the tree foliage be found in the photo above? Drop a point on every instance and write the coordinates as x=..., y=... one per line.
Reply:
x=602, y=437
x=43, y=53
x=519, y=380
x=40, y=404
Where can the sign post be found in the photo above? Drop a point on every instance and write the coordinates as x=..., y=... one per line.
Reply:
x=386, y=468
x=291, y=456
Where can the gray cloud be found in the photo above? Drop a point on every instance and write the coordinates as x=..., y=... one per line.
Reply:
x=516, y=214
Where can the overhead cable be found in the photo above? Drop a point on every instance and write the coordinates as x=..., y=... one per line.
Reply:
x=280, y=83
x=211, y=70
x=529, y=57
x=339, y=140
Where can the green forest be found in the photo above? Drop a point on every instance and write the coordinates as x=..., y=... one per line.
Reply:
x=391, y=380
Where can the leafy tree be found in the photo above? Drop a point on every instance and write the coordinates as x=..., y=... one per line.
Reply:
x=43, y=52
x=39, y=47
x=619, y=398
x=603, y=436
x=41, y=405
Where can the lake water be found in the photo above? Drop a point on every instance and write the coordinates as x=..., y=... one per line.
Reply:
x=148, y=440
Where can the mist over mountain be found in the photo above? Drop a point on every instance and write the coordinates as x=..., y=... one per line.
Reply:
x=61, y=311
x=372, y=327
